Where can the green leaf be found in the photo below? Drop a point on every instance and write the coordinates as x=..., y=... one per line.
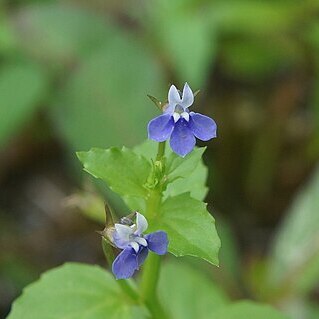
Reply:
x=195, y=183
x=182, y=167
x=190, y=228
x=74, y=291
x=294, y=261
x=176, y=291
x=248, y=309
x=22, y=86
x=148, y=149
x=124, y=171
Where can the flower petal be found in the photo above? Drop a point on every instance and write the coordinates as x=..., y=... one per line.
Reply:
x=121, y=235
x=203, y=127
x=160, y=128
x=173, y=96
x=141, y=241
x=157, y=242
x=182, y=139
x=141, y=224
x=135, y=246
x=188, y=97
x=141, y=256
x=169, y=109
x=125, y=264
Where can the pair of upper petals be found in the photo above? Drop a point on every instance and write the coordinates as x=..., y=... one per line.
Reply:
x=174, y=98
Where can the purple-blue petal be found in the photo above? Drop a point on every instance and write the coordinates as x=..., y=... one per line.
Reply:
x=141, y=256
x=182, y=139
x=203, y=127
x=160, y=128
x=125, y=264
x=119, y=241
x=157, y=242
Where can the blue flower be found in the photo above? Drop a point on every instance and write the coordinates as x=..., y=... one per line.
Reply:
x=135, y=246
x=181, y=125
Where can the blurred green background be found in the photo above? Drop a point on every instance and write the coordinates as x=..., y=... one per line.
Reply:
x=74, y=74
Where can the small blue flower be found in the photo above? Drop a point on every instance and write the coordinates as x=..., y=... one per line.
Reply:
x=180, y=125
x=135, y=246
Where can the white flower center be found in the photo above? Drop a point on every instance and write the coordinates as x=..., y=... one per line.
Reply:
x=177, y=116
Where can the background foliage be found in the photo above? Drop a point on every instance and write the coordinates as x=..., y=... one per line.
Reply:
x=75, y=74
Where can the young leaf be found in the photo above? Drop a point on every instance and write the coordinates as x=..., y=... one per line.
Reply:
x=177, y=169
x=190, y=228
x=177, y=277
x=75, y=291
x=124, y=171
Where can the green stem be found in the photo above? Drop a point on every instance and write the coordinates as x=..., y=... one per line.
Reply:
x=160, y=151
x=153, y=202
x=151, y=269
x=150, y=277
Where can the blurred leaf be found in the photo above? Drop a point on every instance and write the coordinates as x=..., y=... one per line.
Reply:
x=16, y=270
x=229, y=254
x=298, y=307
x=313, y=311
x=7, y=38
x=90, y=205
x=313, y=38
x=255, y=58
x=294, y=262
x=255, y=36
x=124, y=171
x=60, y=33
x=74, y=291
x=187, y=293
x=104, y=102
x=183, y=33
x=190, y=228
x=251, y=17
x=22, y=86
x=248, y=309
